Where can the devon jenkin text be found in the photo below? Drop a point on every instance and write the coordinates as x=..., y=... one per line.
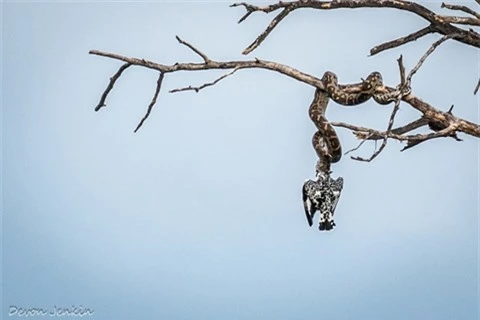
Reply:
x=74, y=311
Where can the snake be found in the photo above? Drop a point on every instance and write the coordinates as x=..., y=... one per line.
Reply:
x=323, y=194
x=325, y=140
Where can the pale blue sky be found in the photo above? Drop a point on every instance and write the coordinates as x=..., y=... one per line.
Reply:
x=199, y=214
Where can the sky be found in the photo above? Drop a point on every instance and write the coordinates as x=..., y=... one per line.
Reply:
x=199, y=214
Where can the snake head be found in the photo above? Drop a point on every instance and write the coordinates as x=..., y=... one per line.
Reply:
x=330, y=81
x=373, y=81
x=329, y=78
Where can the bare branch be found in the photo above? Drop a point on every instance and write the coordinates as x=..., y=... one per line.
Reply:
x=109, y=88
x=439, y=23
x=213, y=65
x=401, y=41
x=429, y=112
x=200, y=53
x=267, y=31
x=461, y=8
x=365, y=134
x=359, y=145
x=417, y=139
x=425, y=56
x=476, y=88
x=377, y=135
x=152, y=103
x=208, y=84
x=385, y=139
x=401, y=69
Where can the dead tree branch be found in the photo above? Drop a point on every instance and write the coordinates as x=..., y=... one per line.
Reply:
x=461, y=8
x=200, y=53
x=152, y=103
x=446, y=121
x=113, y=79
x=385, y=138
x=441, y=24
x=402, y=40
x=425, y=56
x=477, y=87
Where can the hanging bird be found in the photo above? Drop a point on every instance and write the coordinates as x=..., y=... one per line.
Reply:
x=322, y=195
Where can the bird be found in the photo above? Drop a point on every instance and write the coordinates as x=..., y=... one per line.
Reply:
x=322, y=195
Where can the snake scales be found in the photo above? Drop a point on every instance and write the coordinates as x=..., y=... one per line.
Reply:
x=323, y=195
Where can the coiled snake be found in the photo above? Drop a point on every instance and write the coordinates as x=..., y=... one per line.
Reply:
x=323, y=195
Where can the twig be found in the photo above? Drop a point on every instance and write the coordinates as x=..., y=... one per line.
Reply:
x=152, y=103
x=476, y=88
x=250, y=9
x=359, y=145
x=208, y=84
x=267, y=31
x=401, y=41
x=385, y=139
x=461, y=8
x=113, y=79
x=401, y=69
x=201, y=54
x=416, y=140
x=425, y=56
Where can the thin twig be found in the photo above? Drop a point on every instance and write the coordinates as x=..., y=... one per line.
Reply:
x=401, y=41
x=200, y=53
x=401, y=69
x=208, y=84
x=152, y=103
x=476, y=88
x=113, y=79
x=425, y=56
x=267, y=31
x=385, y=139
x=461, y=8
x=359, y=145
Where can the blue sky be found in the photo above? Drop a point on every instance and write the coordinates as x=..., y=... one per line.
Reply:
x=199, y=214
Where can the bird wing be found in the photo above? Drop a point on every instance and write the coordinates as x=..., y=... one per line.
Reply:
x=307, y=203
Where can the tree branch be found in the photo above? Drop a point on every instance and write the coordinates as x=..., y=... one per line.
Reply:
x=109, y=88
x=438, y=23
x=477, y=87
x=152, y=103
x=425, y=56
x=446, y=120
x=267, y=31
x=401, y=41
x=216, y=65
x=461, y=8
x=200, y=53
x=364, y=134
x=385, y=138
